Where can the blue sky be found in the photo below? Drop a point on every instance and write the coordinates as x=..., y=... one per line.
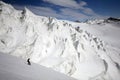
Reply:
x=70, y=9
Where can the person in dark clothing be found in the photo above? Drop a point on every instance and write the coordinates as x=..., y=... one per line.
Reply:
x=77, y=28
x=28, y=60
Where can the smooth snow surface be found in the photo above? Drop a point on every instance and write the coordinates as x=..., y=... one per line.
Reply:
x=12, y=68
x=85, y=51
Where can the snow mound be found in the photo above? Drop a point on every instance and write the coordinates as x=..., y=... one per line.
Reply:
x=61, y=45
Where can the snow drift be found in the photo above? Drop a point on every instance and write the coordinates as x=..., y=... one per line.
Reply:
x=65, y=46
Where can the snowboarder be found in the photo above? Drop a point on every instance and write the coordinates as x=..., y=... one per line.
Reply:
x=28, y=60
x=77, y=28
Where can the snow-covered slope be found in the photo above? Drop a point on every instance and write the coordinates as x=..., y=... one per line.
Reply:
x=109, y=31
x=60, y=45
x=12, y=68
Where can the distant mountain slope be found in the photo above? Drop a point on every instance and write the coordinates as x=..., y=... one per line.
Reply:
x=108, y=30
x=12, y=68
x=75, y=49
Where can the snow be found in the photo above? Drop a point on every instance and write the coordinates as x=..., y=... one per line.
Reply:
x=12, y=68
x=109, y=32
x=90, y=52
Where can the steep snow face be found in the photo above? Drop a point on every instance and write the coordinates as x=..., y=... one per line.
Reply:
x=12, y=68
x=57, y=44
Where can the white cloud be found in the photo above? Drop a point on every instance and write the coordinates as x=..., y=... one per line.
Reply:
x=72, y=4
x=82, y=3
x=73, y=14
x=41, y=9
x=88, y=11
x=64, y=3
x=44, y=11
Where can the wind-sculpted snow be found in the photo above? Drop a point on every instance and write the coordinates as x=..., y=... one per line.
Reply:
x=61, y=45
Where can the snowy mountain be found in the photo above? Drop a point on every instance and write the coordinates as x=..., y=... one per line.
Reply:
x=80, y=50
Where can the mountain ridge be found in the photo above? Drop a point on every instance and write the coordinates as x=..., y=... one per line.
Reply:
x=64, y=46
